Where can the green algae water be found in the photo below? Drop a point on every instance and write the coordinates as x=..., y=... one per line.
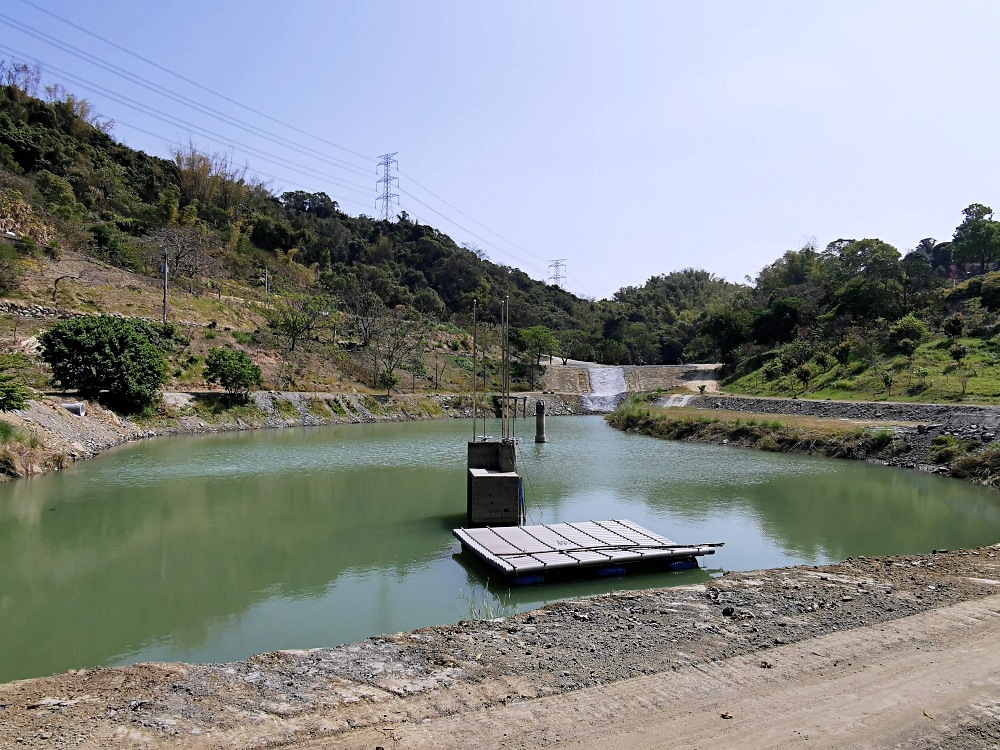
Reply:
x=212, y=548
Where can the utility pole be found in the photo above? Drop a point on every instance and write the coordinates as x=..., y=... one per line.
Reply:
x=557, y=275
x=165, y=269
x=386, y=181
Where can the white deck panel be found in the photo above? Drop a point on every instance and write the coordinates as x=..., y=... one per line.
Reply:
x=521, y=549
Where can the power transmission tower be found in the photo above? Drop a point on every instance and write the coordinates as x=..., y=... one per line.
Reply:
x=386, y=181
x=557, y=275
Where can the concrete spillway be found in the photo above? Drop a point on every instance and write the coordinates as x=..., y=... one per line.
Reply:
x=607, y=389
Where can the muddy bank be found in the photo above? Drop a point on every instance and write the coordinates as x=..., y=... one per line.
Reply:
x=410, y=684
x=61, y=436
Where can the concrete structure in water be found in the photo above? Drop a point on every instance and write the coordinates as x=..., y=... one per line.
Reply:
x=494, y=494
x=540, y=422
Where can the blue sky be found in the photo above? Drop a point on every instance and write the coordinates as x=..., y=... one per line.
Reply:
x=630, y=139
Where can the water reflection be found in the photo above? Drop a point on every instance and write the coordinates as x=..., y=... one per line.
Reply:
x=212, y=548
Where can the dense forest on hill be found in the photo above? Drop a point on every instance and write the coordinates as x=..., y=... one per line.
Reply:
x=855, y=317
x=86, y=192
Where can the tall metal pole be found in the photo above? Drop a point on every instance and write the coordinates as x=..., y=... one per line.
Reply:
x=506, y=367
x=164, y=286
x=475, y=339
x=484, y=389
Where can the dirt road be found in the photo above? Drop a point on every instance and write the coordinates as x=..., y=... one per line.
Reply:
x=870, y=652
x=929, y=680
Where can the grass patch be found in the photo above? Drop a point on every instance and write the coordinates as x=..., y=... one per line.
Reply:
x=946, y=448
x=338, y=407
x=318, y=408
x=430, y=407
x=219, y=407
x=286, y=408
x=9, y=434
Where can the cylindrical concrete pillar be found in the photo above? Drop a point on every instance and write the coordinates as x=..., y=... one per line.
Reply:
x=539, y=421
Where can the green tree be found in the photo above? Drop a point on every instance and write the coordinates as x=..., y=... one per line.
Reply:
x=977, y=238
x=387, y=380
x=101, y=357
x=538, y=341
x=57, y=191
x=907, y=333
x=574, y=344
x=233, y=370
x=864, y=278
x=990, y=292
x=953, y=326
x=13, y=393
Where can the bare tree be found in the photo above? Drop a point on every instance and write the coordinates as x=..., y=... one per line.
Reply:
x=189, y=252
x=367, y=311
x=300, y=316
x=23, y=76
x=395, y=341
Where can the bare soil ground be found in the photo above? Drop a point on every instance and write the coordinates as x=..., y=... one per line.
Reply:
x=871, y=652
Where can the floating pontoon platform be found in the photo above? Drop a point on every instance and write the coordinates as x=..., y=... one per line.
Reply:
x=526, y=554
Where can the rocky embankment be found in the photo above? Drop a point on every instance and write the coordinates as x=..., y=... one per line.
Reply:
x=915, y=426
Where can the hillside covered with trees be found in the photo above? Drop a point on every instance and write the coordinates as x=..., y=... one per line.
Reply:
x=316, y=298
x=305, y=283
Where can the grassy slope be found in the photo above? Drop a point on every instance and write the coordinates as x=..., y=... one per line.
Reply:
x=930, y=376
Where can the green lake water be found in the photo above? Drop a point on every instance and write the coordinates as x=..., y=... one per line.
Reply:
x=212, y=548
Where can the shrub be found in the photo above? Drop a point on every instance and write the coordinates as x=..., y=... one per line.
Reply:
x=983, y=467
x=906, y=333
x=101, y=357
x=13, y=393
x=11, y=268
x=990, y=292
x=768, y=443
x=842, y=352
x=234, y=371
x=953, y=326
x=945, y=448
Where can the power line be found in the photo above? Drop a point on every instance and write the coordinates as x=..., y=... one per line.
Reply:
x=386, y=180
x=339, y=200
x=181, y=99
x=211, y=135
x=468, y=231
x=189, y=81
x=459, y=211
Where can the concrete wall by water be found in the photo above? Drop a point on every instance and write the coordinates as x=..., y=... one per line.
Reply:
x=575, y=379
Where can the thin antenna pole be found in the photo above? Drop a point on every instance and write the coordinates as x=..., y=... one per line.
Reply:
x=165, y=268
x=484, y=388
x=506, y=374
x=475, y=337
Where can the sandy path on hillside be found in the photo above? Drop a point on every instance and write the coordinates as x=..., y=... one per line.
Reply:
x=928, y=680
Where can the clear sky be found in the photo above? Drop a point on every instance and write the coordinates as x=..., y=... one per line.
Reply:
x=629, y=138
